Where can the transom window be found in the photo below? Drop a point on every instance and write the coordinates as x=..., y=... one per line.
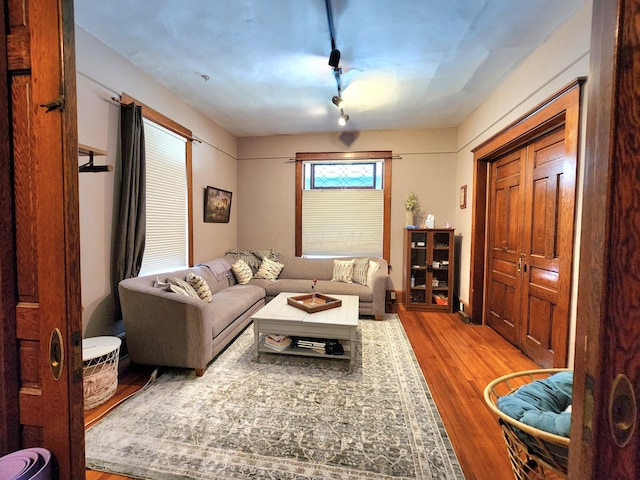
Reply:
x=343, y=175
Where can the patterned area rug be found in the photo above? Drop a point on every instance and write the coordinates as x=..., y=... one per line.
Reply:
x=284, y=417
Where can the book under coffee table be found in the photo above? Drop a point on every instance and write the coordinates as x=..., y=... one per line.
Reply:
x=278, y=317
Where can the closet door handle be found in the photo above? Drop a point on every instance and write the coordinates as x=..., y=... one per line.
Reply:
x=56, y=353
x=522, y=255
x=622, y=410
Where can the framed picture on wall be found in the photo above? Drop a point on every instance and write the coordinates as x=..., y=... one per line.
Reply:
x=463, y=196
x=217, y=205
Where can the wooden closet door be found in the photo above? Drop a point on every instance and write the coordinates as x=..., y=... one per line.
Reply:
x=46, y=320
x=502, y=307
x=547, y=246
x=530, y=247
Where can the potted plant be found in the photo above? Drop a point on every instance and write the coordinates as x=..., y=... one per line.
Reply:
x=412, y=206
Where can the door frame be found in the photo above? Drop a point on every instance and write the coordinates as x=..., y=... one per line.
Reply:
x=563, y=106
x=9, y=424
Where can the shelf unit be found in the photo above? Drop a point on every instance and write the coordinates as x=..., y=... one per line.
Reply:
x=305, y=352
x=428, y=269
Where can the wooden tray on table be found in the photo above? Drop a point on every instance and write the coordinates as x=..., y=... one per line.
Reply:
x=322, y=302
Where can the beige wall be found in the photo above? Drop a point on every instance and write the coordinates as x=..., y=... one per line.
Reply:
x=101, y=74
x=266, y=177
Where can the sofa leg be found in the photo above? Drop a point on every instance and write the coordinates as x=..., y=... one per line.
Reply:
x=199, y=372
x=378, y=317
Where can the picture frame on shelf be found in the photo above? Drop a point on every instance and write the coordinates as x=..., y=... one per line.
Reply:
x=217, y=205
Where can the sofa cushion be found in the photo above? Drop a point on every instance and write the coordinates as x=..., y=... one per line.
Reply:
x=200, y=285
x=269, y=269
x=180, y=286
x=373, y=268
x=360, y=269
x=252, y=257
x=365, y=294
x=343, y=271
x=231, y=303
x=542, y=403
x=242, y=272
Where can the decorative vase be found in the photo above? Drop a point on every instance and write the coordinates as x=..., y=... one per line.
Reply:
x=409, y=217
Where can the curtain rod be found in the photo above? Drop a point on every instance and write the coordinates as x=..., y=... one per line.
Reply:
x=190, y=138
x=341, y=159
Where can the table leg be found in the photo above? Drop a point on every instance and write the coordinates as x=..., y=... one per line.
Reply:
x=256, y=339
x=352, y=349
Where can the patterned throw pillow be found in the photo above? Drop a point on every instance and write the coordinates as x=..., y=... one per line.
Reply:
x=373, y=268
x=177, y=285
x=200, y=285
x=242, y=272
x=343, y=271
x=269, y=269
x=360, y=269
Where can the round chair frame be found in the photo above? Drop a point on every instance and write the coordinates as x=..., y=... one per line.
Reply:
x=544, y=455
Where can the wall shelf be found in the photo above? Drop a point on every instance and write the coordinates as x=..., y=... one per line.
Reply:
x=87, y=151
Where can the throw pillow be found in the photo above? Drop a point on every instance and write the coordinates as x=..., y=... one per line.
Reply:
x=373, y=268
x=360, y=269
x=177, y=285
x=200, y=285
x=242, y=272
x=269, y=269
x=343, y=271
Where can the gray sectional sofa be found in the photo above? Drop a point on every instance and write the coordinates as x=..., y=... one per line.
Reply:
x=166, y=328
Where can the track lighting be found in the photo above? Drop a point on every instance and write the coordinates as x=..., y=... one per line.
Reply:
x=334, y=61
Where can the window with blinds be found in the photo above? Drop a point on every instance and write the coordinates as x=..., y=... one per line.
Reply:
x=167, y=243
x=343, y=209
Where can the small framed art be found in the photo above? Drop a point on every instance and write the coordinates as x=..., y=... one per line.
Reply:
x=463, y=196
x=217, y=205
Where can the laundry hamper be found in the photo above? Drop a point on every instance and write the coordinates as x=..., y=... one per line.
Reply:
x=534, y=454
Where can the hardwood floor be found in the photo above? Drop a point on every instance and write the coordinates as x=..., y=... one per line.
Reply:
x=458, y=360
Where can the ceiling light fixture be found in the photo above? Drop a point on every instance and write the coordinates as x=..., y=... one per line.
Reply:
x=338, y=101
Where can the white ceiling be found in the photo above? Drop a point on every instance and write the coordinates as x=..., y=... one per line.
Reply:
x=405, y=63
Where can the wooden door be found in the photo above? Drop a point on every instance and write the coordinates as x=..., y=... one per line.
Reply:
x=502, y=308
x=46, y=317
x=530, y=245
x=547, y=246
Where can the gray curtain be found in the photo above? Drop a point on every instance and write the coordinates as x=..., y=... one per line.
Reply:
x=129, y=210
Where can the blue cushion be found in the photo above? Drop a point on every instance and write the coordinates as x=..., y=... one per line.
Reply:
x=542, y=403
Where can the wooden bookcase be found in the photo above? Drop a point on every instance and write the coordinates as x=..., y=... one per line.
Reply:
x=428, y=269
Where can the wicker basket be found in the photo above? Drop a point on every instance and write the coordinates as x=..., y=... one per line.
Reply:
x=534, y=454
x=100, y=379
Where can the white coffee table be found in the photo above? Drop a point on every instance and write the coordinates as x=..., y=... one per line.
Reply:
x=278, y=317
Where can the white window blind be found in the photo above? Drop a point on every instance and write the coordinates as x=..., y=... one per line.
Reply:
x=345, y=222
x=166, y=245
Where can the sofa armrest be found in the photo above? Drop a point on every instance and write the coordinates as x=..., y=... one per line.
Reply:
x=379, y=289
x=165, y=328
